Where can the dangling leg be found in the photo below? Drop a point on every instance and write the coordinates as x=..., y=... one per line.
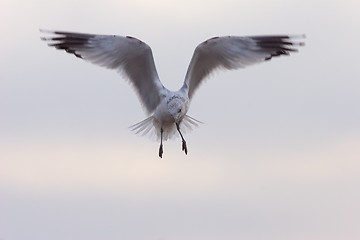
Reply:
x=184, y=147
x=161, y=145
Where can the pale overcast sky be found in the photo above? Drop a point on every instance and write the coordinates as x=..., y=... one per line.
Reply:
x=278, y=157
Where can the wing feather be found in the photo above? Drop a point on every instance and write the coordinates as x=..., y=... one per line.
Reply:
x=232, y=52
x=127, y=55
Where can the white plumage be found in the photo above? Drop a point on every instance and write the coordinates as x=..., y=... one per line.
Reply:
x=133, y=58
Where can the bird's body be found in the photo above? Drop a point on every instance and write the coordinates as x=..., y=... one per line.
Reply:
x=172, y=109
x=168, y=109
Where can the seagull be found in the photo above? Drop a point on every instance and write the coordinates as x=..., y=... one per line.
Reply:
x=134, y=59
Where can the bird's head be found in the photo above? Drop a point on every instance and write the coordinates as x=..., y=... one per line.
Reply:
x=177, y=108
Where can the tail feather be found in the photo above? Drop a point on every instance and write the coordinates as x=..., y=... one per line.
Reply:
x=189, y=123
x=150, y=126
x=144, y=126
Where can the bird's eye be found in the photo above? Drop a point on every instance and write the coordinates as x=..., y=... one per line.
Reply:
x=179, y=111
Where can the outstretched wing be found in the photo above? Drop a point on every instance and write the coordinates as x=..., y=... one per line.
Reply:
x=233, y=52
x=127, y=55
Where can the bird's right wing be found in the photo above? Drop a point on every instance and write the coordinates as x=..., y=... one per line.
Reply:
x=127, y=55
x=233, y=52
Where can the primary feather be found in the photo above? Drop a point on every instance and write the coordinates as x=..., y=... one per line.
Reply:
x=234, y=52
x=127, y=55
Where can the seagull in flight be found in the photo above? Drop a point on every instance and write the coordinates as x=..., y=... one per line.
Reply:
x=134, y=59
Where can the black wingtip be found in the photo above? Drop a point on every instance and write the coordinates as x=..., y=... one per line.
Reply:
x=67, y=41
x=279, y=45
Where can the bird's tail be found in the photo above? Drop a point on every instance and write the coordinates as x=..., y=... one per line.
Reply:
x=143, y=127
x=188, y=123
x=152, y=128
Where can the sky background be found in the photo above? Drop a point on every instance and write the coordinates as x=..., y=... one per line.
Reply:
x=278, y=157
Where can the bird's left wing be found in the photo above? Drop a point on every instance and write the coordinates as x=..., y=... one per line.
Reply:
x=233, y=52
x=127, y=55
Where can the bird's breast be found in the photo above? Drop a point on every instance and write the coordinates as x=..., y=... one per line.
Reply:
x=162, y=114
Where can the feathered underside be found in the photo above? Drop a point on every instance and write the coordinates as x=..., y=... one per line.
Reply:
x=234, y=52
x=127, y=55
x=150, y=127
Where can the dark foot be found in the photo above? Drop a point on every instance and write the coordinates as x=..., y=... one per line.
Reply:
x=161, y=145
x=161, y=151
x=184, y=147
